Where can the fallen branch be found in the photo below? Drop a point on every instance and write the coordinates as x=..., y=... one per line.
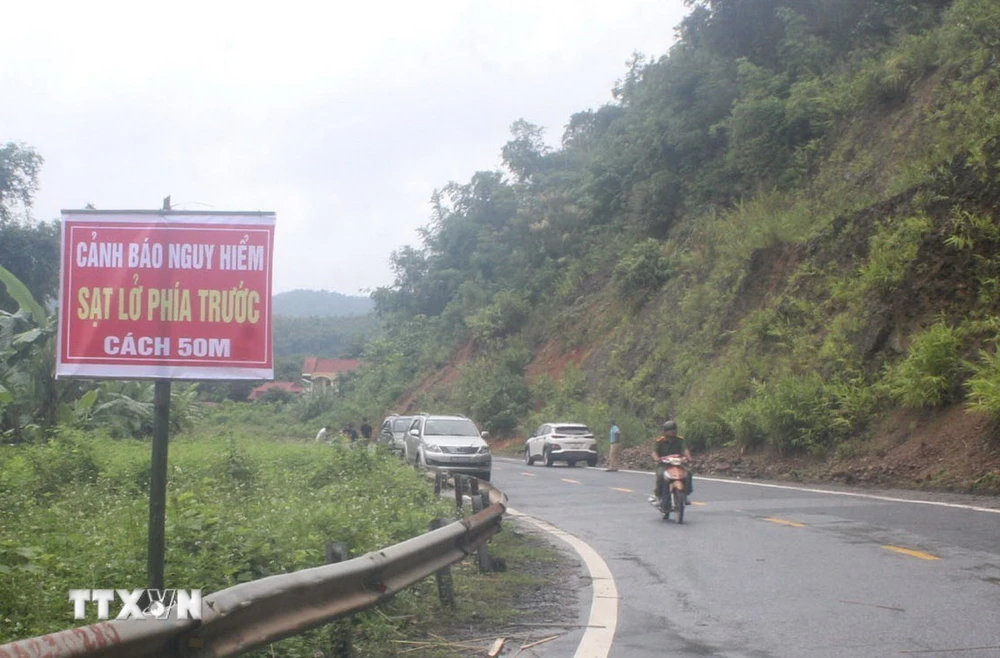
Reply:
x=528, y=646
x=423, y=644
x=497, y=647
x=557, y=625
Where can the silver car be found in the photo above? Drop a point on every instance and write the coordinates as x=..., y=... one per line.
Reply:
x=448, y=443
x=564, y=442
x=392, y=434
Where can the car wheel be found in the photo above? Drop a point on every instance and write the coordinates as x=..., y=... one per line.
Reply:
x=592, y=462
x=571, y=463
x=528, y=459
x=548, y=457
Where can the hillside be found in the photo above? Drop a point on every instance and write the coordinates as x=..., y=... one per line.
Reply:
x=783, y=233
x=320, y=303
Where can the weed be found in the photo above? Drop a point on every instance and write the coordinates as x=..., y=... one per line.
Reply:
x=983, y=387
x=927, y=377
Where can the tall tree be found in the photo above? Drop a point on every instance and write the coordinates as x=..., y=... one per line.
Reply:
x=29, y=250
x=19, y=166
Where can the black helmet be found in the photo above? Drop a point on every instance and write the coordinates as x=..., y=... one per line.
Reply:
x=669, y=425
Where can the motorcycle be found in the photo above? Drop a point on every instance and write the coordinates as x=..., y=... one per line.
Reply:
x=672, y=497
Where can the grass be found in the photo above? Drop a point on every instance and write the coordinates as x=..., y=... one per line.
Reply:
x=74, y=513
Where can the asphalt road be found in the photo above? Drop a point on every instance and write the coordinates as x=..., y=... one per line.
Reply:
x=766, y=572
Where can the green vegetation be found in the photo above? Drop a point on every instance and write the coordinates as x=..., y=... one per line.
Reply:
x=927, y=377
x=779, y=230
x=320, y=303
x=74, y=511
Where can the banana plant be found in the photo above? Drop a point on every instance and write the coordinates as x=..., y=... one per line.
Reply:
x=27, y=389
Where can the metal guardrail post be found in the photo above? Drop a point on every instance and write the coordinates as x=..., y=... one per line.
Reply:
x=459, y=490
x=340, y=630
x=483, y=552
x=445, y=585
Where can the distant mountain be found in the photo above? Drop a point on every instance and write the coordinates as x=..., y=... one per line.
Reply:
x=320, y=303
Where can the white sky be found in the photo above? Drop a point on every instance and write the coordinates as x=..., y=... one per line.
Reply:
x=340, y=117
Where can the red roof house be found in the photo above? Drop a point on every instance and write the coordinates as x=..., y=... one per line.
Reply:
x=324, y=372
x=259, y=392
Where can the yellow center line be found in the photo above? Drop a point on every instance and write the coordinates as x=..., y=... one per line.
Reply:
x=698, y=503
x=570, y=481
x=911, y=553
x=794, y=524
x=528, y=475
x=620, y=489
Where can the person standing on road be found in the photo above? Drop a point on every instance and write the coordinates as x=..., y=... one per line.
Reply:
x=366, y=430
x=614, y=436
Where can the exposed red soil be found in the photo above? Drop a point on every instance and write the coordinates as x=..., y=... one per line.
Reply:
x=550, y=360
x=439, y=378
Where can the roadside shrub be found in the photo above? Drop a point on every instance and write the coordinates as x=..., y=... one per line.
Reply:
x=794, y=414
x=493, y=392
x=704, y=427
x=799, y=415
x=236, y=466
x=983, y=388
x=856, y=400
x=318, y=402
x=928, y=375
x=744, y=422
x=60, y=463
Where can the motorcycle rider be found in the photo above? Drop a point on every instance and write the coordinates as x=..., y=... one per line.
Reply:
x=669, y=443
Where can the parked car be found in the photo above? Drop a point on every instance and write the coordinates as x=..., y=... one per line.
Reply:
x=392, y=434
x=565, y=442
x=448, y=443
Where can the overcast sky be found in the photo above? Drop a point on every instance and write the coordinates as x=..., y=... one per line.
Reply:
x=340, y=117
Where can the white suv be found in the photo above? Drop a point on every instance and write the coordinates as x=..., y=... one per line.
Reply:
x=564, y=442
x=448, y=443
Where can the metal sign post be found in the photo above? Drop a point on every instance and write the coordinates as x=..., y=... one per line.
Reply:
x=158, y=484
x=156, y=545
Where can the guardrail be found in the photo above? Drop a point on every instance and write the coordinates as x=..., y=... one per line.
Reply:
x=249, y=615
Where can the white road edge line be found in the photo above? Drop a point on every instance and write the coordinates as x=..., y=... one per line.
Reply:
x=851, y=494
x=600, y=631
x=889, y=499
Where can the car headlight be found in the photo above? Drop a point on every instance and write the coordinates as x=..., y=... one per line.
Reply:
x=431, y=447
x=483, y=450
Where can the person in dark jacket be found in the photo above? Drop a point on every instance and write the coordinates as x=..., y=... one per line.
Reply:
x=669, y=443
